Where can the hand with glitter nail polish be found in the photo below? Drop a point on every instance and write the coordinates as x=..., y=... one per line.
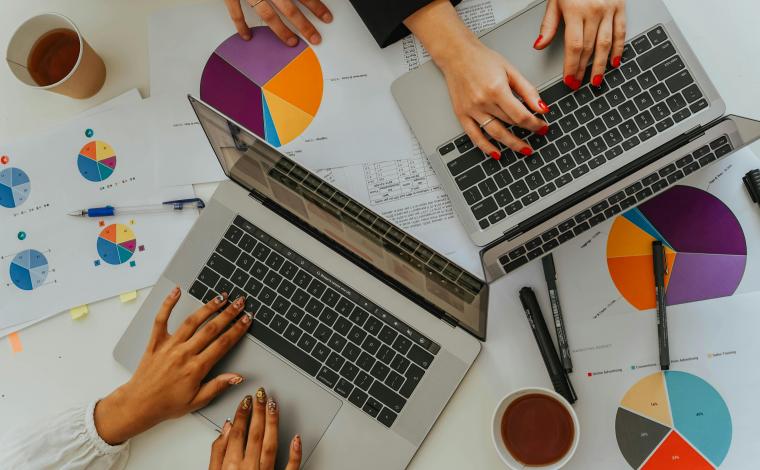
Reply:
x=170, y=380
x=250, y=441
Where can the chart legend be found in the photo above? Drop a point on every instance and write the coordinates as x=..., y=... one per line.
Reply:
x=96, y=161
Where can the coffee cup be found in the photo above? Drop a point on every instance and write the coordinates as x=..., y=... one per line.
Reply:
x=535, y=428
x=48, y=52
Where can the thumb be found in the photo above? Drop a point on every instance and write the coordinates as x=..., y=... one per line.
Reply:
x=549, y=25
x=214, y=387
x=294, y=458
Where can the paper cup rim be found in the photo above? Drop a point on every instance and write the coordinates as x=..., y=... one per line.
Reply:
x=498, y=444
x=79, y=57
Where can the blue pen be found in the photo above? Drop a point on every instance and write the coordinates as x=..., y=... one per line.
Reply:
x=168, y=206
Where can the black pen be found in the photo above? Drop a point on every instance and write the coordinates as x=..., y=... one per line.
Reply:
x=557, y=373
x=550, y=273
x=658, y=256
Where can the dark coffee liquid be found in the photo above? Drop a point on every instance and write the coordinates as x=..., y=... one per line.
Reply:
x=53, y=56
x=537, y=430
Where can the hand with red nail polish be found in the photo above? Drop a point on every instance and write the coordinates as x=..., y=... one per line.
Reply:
x=170, y=380
x=272, y=12
x=594, y=32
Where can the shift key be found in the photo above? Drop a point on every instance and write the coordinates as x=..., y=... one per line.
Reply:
x=470, y=177
x=387, y=396
x=465, y=162
x=484, y=208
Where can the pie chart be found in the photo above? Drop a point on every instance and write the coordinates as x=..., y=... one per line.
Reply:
x=28, y=270
x=15, y=187
x=269, y=88
x=116, y=244
x=96, y=161
x=706, y=250
x=673, y=420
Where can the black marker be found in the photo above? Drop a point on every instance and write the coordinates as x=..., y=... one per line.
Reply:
x=550, y=274
x=658, y=256
x=557, y=374
x=752, y=183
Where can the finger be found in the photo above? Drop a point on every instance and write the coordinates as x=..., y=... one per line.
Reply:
x=299, y=20
x=294, y=460
x=238, y=18
x=525, y=89
x=256, y=433
x=618, y=37
x=191, y=323
x=549, y=26
x=319, y=10
x=573, y=51
x=221, y=345
x=603, y=47
x=590, y=30
x=219, y=447
x=520, y=115
x=476, y=135
x=239, y=432
x=214, y=388
x=500, y=133
x=273, y=20
x=211, y=330
x=269, y=444
x=160, y=332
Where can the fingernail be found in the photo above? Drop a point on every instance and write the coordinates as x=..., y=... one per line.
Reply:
x=236, y=380
x=543, y=131
x=315, y=39
x=569, y=81
x=261, y=395
x=175, y=292
x=597, y=80
x=527, y=151
x=297, y=442
x=271, y=406
x=327, y=17
x=543, y=106
x=495, y=155
x=616, y=61
x=292, y=41
x=246, y=403
x=239, y=302
x=227, y=426
x=247, y=318
x=219, y=298
x=538, y=40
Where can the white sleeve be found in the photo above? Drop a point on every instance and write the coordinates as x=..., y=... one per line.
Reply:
x=67, y=441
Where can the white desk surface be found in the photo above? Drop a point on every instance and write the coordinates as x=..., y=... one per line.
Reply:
x=67, y=362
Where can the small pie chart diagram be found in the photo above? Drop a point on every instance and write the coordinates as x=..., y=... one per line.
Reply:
x=96, y=161
x=15, y=187
x=116, y=244
x=29, y=269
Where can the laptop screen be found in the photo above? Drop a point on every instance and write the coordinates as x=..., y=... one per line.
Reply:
x=401, y=261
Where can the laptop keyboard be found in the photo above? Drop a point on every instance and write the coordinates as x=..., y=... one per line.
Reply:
x=615, y=204
x=650, y=92
x=316, y=322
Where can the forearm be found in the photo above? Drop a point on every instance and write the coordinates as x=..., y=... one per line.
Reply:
x=444, y=35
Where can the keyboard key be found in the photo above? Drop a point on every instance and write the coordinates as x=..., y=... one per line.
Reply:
x=647, y=134
x=402, y=344
x=220, y=265
x=698, y=106
x=198, y=290
x=342, y=325
x=600, y=106
x=274, y=260
x=643, y=100
x=691, y=168
x=581, y=136
x=725, y=150
x=420, y=357
x=208, y=277
x=657, y=35
x=580, y=228
x=567, y=104
x=394, y=380
x=612, y=137
x=379, y=371
x=400, y=363
x=664, y=124
x=641, y=44
x=483, y=208
x=584, y=114
x=555, y=93
x=584, y=95
x=644, y=120
x=568, y=123
x=513, y=265
x=343, y=388
x=463, y=143
x=446, y=148
x=224, y=286
x=386, y=417
x=413, y=377
x=233, y=234
x=357, y=397
x=349, y=371
x=630, y=143
x=630, y=69
x=372, y=407
x=679, y=81
x=470, y=177
x=656, y=55
x=387, y=396
x=228, y=250
x=614, y=78
x=681, y=115
x=565, y=144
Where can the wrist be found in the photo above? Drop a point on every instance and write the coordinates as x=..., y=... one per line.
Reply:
x=114, y=422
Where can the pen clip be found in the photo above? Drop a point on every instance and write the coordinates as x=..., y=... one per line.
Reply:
x=179, y=204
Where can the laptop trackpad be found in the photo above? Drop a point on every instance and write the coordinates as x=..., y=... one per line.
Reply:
x=305, y=408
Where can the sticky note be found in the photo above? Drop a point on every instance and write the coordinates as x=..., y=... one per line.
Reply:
x=15, y=341
x=128, y=296
x=79, y=312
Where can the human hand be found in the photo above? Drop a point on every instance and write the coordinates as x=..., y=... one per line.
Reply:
x=168, y=382
x=250, y=443
x=591, y=27
x=271, y=13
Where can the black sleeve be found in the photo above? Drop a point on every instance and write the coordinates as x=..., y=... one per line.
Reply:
x=385, y=18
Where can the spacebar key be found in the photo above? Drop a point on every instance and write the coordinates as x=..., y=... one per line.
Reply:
x=286, y=349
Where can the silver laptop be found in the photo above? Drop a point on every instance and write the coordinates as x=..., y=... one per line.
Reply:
x=361, y=332
x=655, y=120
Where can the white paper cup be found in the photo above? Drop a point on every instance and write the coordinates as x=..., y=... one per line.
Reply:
x=498, y=443
x=84, y=80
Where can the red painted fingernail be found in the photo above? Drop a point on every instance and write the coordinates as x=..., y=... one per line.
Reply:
x=535, y=44
x=616, y=61
x=597, y=80
x=543, y=106
x=570, y=81
x=495, y=155
x=527, y=151
x=543, y=131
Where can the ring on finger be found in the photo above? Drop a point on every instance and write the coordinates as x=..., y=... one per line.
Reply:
x=487, y=122
x=256, y=3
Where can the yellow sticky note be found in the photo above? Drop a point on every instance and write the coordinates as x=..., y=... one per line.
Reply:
x=79, y=312
x=128, y=296
x=15, y=341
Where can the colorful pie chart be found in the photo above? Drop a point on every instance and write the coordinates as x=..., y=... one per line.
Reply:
x=29, y=269
x=673, y=420
x=15, y=187
x=269, y=88
x=96, y=161
x=116, y=244
x=704, y=242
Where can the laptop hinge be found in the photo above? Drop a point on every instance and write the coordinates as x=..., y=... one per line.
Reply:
x=257, y=195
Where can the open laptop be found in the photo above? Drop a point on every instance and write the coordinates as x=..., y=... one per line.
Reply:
x=655, y=120
x=361, y=332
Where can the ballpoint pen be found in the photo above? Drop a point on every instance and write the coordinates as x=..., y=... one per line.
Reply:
x=168, y=206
